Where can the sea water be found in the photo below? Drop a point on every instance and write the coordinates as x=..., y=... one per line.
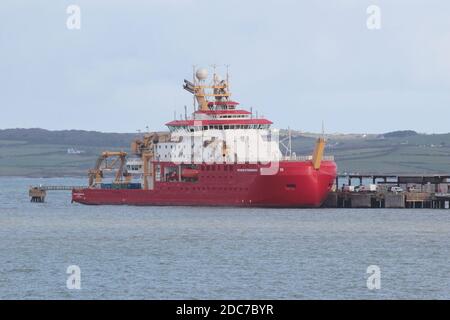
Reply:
x=127, y=252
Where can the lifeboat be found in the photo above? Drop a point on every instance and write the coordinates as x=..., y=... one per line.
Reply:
x=189, y=173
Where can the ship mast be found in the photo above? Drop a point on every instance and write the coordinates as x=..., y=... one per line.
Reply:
x=193, y=81
x=210, y=95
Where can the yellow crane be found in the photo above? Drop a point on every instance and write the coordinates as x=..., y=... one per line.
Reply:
x=144, y=148
x=96, y=174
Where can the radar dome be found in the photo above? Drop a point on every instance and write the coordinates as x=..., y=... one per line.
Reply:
x=201, y=74
x=217, y=78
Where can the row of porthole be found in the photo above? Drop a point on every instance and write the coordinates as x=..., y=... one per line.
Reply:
x=183, y=157
x=171, y=146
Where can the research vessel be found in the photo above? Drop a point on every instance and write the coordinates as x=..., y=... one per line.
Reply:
x=220, y=155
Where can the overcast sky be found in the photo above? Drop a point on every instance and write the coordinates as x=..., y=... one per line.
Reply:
x=296, y=62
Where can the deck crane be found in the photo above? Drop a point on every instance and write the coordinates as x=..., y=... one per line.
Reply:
x=96, y=174
x=144, y=148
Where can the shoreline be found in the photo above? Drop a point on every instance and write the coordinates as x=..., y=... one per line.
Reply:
x=41, y=177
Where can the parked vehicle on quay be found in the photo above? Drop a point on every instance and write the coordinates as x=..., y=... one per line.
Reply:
x=396, y=189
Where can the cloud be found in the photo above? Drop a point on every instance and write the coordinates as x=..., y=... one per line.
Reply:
x=294, y=61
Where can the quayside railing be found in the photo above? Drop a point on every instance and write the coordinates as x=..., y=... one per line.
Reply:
x=38, y=193
x=55, y=188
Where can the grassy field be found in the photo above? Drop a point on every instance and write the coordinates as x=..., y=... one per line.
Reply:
x=418, y=153
x=23, y=159
x=397, y=153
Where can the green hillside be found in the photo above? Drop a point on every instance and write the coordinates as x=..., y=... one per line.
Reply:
x=38, y=152
x=392, y=153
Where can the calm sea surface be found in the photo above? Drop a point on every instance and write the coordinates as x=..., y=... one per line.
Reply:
x=216, y=253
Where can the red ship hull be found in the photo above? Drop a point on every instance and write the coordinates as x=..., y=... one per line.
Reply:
x=296, y=184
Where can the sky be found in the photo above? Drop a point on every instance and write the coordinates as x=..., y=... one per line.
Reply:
x=298, y=63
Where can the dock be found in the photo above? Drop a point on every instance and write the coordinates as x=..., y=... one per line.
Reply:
x=416, y=191
x=38, y=193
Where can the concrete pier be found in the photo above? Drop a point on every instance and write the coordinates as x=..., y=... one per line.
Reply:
x=413, y=191
x=394, y=200
x=366, y=200
x=361, y=200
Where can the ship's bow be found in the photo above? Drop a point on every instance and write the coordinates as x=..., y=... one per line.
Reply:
x=295, y=184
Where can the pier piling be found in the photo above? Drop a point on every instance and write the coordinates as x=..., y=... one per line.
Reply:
x=36, y=194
